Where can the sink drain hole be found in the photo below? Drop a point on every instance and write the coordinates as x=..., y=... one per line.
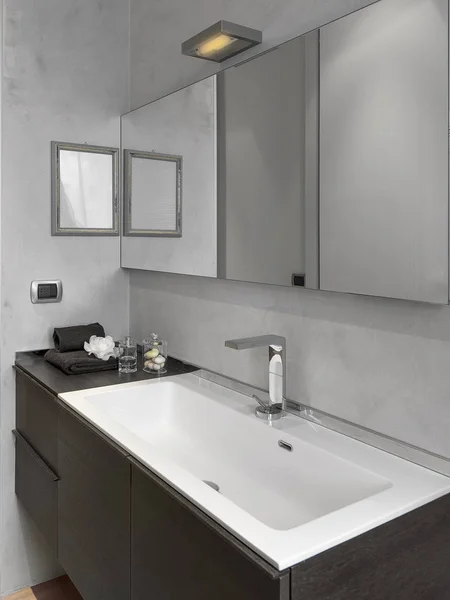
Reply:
x=212, y=485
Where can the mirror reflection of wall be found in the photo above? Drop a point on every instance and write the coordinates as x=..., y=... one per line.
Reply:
x=84, y=190
x=384, y=151
x=264, y=107
x=182, y=124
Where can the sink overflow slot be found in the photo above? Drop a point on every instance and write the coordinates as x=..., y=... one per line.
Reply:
x=285, y=445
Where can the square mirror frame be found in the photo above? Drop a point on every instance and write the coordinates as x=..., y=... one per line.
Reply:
x=56, y=147
x=128, y=230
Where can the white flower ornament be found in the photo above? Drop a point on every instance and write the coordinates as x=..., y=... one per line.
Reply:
x=101, y=347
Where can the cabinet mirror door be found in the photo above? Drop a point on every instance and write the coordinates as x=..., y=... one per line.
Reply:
x=268, y=161
x=170, y=183
x=384, y=151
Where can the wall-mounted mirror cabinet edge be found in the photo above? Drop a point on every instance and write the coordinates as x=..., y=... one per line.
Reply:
x=321, y=163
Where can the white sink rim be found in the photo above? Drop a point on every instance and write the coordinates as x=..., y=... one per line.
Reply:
x=412, y=485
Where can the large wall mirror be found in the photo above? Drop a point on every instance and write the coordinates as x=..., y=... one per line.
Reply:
x=331, y=153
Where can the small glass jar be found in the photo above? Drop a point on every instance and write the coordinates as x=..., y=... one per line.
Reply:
x=127, y=355
x=154, y=355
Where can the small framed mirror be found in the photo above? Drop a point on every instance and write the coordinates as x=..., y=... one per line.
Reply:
x=85, y=182
x=152, y=195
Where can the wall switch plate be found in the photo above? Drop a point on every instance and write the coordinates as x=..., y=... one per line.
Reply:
x=44, y=291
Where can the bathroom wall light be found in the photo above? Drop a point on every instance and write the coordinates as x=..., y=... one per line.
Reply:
x=221, y=41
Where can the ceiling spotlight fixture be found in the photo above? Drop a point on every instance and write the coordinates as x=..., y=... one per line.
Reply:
x=221, y=41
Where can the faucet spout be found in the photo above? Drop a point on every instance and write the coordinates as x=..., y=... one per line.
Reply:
x=277, y=363
x=256, y=342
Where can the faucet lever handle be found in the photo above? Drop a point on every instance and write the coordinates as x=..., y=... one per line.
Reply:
x=262, y=403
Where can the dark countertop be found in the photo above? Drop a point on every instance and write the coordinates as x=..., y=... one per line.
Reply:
x=57, y=382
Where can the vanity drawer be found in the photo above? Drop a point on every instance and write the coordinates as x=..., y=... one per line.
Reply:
x=93, y=511
x=37, y=490
x=37, y=417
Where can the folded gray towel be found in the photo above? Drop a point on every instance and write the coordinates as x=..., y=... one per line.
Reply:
x=68, y=339
x=78, y=362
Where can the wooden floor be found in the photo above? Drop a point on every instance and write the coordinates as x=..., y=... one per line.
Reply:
x=56, y=589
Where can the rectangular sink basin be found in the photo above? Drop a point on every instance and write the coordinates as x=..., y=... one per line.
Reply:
x=280, y=488
x=289, y=490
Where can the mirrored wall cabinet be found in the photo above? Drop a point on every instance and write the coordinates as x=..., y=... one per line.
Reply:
x=323, y=163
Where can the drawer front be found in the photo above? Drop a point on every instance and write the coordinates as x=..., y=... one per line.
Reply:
x=37, y=490
x=37, y=417
x=93, y=511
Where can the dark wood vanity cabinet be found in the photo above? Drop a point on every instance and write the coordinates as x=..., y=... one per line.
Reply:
x=178, y=552
x=75, y=484
x=93, y=511
x=122, y=533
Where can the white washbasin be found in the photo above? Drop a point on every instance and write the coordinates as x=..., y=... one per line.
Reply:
x=287, y=505
x=281, y=488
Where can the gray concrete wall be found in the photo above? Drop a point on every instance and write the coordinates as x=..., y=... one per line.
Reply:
x=65, y=77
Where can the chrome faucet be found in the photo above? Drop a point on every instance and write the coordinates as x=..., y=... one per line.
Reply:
x=273, y=409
